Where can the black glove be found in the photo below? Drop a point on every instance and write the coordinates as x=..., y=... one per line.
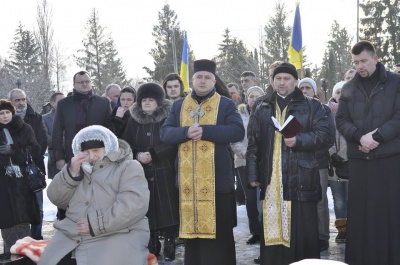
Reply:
x=6, y=149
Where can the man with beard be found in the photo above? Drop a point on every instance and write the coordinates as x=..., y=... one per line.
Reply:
x=286, y=169
x=203, y=124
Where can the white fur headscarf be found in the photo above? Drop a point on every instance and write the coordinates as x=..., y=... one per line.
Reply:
x=95, y=133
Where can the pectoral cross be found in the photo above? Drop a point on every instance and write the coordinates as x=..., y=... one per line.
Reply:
x=196, y=113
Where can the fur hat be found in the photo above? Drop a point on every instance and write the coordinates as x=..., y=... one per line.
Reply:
x=254, y=88
x=6, y=104
x=310, y=81
x=204, y=65
x=338, y=85
x=150, y=90
x=286, y=68
x=92, y=137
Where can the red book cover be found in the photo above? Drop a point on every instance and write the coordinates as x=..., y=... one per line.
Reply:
x=290, y=127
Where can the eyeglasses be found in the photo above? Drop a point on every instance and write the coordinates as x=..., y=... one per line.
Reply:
x=84, y=82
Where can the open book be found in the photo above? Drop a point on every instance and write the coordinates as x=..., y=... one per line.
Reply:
x=289, y=128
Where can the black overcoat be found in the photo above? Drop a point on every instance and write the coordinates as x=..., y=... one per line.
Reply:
x=34, y=119
x=64, y=126
x=17, y=203
x=143, y=135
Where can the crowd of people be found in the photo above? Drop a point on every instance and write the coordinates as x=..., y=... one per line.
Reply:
x=136, y=166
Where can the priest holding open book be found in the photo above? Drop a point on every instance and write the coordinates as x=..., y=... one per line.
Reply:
x=281, y=160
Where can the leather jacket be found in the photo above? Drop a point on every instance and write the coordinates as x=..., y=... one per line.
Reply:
x=300, y=175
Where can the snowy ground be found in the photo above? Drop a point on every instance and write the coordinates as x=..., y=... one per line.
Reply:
x=244, y=253
x=50, y=210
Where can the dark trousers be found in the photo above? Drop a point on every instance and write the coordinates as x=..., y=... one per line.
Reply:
x=251, y=202
x=36, y=230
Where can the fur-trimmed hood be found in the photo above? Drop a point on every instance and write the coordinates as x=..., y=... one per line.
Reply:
x=158, y=114
x=96, y=133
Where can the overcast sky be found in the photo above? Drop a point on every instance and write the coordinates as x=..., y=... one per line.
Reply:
x=130, y=23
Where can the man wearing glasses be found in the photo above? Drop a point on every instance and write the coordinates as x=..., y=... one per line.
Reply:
x=74, y=113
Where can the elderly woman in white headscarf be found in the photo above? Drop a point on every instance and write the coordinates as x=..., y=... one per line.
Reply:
x=106, y=198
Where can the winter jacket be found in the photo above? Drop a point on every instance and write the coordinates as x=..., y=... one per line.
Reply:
x=340, y=145
x=116, y=124
x=34, y=119
x=240, y=148
x=17, y=203
x=114, y=199
x=322, y=153
x=143, y=135
x=359, y=114
x=64, y=127
x=300, y=175
x=48, y=120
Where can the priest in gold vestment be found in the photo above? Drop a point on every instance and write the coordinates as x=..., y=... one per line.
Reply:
x=286, y=169
x=203, y=124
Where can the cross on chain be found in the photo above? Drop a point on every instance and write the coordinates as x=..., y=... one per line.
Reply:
x=196, y=113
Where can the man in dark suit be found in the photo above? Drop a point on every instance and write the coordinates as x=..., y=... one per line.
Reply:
x=74, y=113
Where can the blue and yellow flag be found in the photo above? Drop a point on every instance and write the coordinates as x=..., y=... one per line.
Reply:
x=184, y=73
x=295, y=53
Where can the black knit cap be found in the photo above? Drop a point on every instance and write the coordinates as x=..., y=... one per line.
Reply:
x=91, y=145
x=6, y=104
x=204, y=65
x=286, y=68
x=151, y=90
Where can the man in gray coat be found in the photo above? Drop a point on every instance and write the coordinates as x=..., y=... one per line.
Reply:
x=48, y=120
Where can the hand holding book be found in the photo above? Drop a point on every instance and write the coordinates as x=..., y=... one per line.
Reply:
x=290, y=127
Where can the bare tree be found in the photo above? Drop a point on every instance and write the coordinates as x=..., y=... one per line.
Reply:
x=59, y=66
x=44, y=37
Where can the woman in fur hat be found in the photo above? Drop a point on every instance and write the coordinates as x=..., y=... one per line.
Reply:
x=157, y=159
x=106, y=198
x=18, y=205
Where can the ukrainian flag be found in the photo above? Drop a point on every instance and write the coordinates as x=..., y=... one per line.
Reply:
x=184, y=73
x=295, y=53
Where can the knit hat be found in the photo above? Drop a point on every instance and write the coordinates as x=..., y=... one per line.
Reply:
x=6, y=104
x=95, y=136
x=286, y=68
x=91, y=144
x=150, y=90
x=310, y=81
x=254, y=88
x=204, y=65
x=338, y=85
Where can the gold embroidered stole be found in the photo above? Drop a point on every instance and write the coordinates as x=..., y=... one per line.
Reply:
x=276, y=217
x=197, y=174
